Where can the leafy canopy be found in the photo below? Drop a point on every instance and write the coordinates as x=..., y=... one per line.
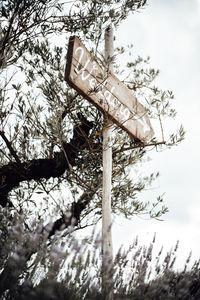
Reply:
x=51, y=138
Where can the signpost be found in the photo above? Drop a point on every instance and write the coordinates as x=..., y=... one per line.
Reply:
x=107, y=248
x=104, y=90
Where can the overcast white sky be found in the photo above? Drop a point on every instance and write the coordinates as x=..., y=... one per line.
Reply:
x=169, y=32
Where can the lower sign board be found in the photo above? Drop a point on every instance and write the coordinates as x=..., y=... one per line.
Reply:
x=104, y=90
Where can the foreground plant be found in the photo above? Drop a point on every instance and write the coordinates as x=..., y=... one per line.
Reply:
x=69, y=268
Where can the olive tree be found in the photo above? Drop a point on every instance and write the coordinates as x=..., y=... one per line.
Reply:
x=51, y=137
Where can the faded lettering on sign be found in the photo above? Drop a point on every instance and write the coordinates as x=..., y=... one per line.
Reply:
x=106, y=91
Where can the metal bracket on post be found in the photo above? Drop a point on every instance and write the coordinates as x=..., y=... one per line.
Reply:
x=107, y=250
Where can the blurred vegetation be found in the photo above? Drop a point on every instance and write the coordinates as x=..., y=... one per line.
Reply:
x=71, y=269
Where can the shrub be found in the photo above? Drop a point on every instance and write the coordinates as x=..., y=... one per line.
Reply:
x=34, y=267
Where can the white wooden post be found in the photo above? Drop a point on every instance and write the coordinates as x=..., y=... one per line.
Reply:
x=107, y=250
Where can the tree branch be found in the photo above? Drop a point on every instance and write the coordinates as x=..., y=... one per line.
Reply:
x=12, y=174
x=74, y=213
x=10, y=147
x=139, y=145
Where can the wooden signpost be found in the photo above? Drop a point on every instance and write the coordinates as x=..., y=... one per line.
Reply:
x=107, y=248
x=104, y=90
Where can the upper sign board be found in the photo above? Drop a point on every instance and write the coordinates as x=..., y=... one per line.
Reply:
x=103, y=89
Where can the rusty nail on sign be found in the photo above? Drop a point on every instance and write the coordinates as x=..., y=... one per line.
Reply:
x=104, y=90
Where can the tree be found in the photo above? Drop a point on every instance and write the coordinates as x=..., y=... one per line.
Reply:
x=51, y=138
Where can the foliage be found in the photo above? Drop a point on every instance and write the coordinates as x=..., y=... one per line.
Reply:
x=51, y=138
x=71, y=269
x=39, y=111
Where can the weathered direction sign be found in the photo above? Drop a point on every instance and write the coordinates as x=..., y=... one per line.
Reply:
x=103, y=89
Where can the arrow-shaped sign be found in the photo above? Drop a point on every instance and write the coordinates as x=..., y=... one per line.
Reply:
x=106, y=91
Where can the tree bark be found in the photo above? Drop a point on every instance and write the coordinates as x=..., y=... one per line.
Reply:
x=74, y=213
x=13, y=173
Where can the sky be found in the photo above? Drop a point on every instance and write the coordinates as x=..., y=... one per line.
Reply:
x=169, y=32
